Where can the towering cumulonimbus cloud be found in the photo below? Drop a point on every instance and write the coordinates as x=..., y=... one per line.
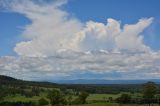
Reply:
x=57, y=44
x=53, y=29
x=110, y=37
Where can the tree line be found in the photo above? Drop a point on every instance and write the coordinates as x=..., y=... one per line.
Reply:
x=149, y=91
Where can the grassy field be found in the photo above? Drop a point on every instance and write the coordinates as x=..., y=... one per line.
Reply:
x=92, y=97
x=13, y=90
x=18, y=98
x=23, y=98
x=101, y=96
x=113, y=104
x=98, y=104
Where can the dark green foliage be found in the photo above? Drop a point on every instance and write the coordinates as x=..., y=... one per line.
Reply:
x=69, y=100
x=76, y=101
x=42, y=102
x=110, y=99
x=17, y=104
x=105, y=88
x=149, y=90
x=56, y=98
x=83, y=96
x=10, y=86
x=9, y=81
x=90, y=88
x=124, y=99
x=36, y=91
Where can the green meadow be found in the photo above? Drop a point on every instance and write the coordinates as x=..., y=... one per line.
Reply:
x=15, y=92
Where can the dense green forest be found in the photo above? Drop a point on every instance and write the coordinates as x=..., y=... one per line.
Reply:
x=14, y=92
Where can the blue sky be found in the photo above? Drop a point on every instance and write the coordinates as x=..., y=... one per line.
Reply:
x=102, y=39
x=127, y=11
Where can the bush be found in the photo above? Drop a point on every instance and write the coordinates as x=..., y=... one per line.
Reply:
x=81, y=98
x=124, y=99
x=77, y=101
x=43, y=102
x=56, y=98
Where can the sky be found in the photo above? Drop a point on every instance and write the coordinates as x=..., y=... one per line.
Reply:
x=80, y=39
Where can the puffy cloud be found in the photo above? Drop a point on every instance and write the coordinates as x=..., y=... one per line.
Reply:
x=57, y=46
x=130, y=38
x=95, y=36
x=53, y=29
x=110, y=37
x=68, y=64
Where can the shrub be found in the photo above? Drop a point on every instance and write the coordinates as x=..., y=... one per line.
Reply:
x=43, y=102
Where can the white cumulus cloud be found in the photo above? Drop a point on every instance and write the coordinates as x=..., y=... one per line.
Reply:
x=53, y=29
x=57, y=45
x=68, y=64
x=110, y=37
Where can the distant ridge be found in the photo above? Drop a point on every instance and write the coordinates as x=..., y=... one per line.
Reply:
x=7, y=78
x=97, y=81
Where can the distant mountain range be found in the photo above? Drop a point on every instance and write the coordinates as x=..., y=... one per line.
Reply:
x=77, y=81
x=98, y=81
